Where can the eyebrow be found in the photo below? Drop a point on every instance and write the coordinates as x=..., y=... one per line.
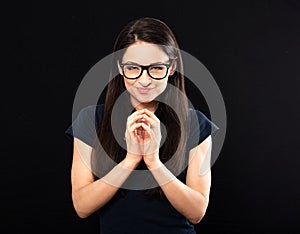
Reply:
x=131, y=62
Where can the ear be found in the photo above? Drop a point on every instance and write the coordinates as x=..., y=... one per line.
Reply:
x=173, y=67
x=119, y=68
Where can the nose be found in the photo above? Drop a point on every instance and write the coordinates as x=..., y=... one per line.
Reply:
x=144, y=80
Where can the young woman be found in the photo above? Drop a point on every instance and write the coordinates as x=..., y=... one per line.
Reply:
x=143, y=176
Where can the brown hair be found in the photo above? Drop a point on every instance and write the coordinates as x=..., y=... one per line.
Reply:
x=154, y=31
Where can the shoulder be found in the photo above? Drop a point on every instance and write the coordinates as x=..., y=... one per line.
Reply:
x=91, y=112
x=198, y=117
x=97, y=109
x=87, y=118
x=200, y=125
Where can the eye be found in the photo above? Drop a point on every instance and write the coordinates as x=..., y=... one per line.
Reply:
x=157, y=67
x=131, y=67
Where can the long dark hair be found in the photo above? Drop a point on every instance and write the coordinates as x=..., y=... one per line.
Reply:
x=175, y=119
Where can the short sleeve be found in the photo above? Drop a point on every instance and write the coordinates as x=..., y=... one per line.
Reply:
x=85, y=125
x=200, y=128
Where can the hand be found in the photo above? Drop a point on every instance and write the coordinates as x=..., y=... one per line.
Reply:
x=151, y=135
x=143, y=136
x=133, y=136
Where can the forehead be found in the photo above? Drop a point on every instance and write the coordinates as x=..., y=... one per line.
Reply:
x=144, y=53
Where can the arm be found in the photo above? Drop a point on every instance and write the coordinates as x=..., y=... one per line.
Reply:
x=89, y=195
x=190, y=199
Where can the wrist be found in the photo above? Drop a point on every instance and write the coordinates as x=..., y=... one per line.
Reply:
x=152, y=162
x=162, y=175
x=130, y=161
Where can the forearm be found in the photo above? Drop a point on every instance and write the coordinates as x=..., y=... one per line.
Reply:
x=93, y=196
x=189, y=202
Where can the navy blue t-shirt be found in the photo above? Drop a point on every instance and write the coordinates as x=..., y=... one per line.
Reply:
x=135, y=212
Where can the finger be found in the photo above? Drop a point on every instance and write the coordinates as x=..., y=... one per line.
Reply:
x=137, y=125
x=137, y=118
x=154, y=125
x=137, y=128
x=151, y=115
x=139, y=112
x=148, y=120
x=139, y=132
x=145, y=127
x=152, y=132
x=132, y=135
x=132, y=120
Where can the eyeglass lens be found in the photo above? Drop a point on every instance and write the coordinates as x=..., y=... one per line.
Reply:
x=156, y=71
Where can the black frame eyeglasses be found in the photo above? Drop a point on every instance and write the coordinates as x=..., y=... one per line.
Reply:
x=157, y=71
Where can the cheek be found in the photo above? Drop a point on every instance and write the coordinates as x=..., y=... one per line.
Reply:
x=128, y=84
x=162, y=86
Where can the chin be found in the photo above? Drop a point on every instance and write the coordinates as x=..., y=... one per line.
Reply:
x=145, y=99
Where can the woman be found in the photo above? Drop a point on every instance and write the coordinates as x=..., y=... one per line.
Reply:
x=145, y=125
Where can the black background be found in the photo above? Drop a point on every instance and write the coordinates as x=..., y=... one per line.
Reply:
x=252, y=49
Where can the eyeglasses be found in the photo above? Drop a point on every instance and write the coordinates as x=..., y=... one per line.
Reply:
x=155, y=71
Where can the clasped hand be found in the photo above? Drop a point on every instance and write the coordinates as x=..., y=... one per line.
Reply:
x=143, y=134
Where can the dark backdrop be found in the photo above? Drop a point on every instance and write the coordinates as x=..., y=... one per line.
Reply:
x=250, y=47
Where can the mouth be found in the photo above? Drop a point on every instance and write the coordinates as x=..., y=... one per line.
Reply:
x=144, y=90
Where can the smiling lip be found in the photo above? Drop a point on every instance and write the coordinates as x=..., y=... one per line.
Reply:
x=144, y=90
